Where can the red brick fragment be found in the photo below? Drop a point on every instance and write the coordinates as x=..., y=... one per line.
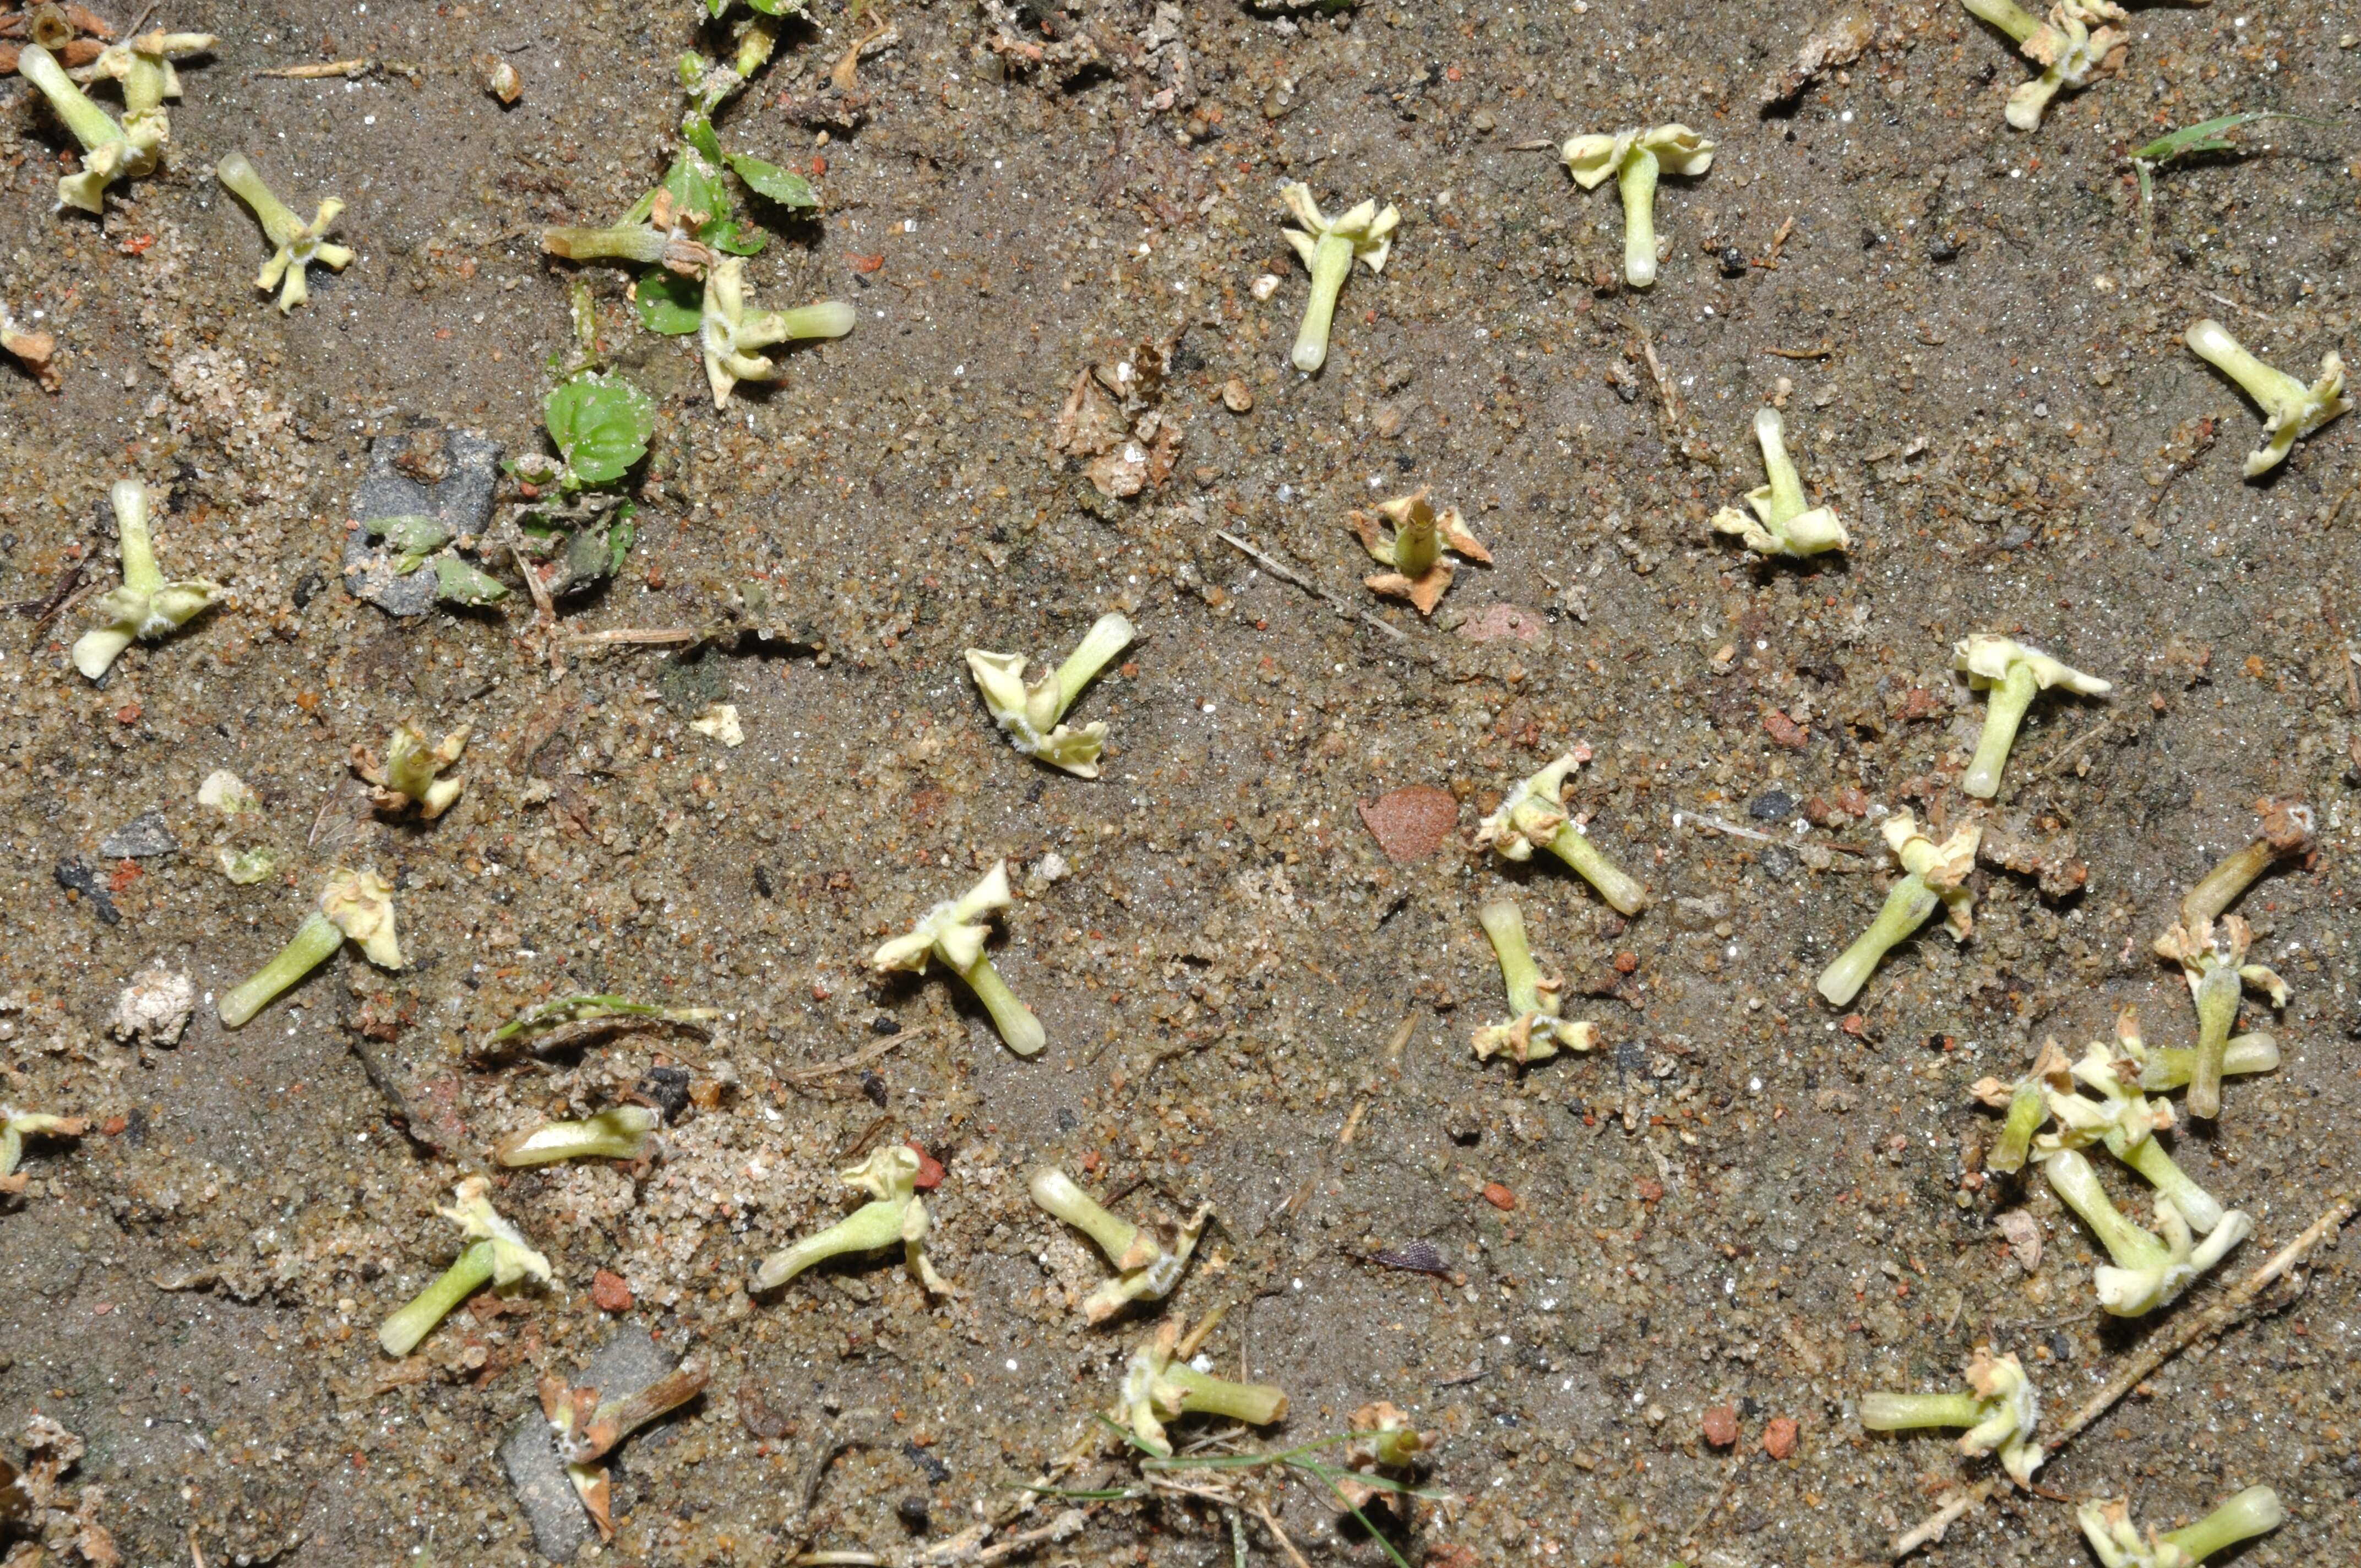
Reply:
x=609, y=1293
x=1499, y=1195
x=1410, y=823
x=1721, y=1426
x=1784, y=732
x=930, y=1169
x=1779, y=1437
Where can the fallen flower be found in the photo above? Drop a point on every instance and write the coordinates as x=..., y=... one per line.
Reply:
x=2294, y=409
x=497, y=1255
x=1158, y=1387
x=408, y=778
x=300, y=245
x=2212, y=955
x=1636, y=159
x=358, y=905
x=1329, y=250
x=109, y=151
x=2069, y=49
x=1936, y=878
x=33, y=349
x=1787, y=526
x=1030, y=716
x=1999, y=1410
x=2027, y=1104
x=1147, y=1266
x=952, y=931
x=619, y=1132
x=2013, y=675
x=585, y=1429
x=897, y=1213
x=2126, y=1122
x=1534, y=1030
x=2150, y=1271
x=145, y=606
x=729, y=331
x=2163, y=1068
x=1383, y=1439
x=1421, y=570
x=2108, y=1527
x=1534, y=816
x=16, y=1127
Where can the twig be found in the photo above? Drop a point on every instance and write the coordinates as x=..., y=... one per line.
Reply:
x=1671, y=399
x=2337, y=508
x=2221, y=1315
x=1287, y=573
x=858, y=1059
x=2066, y=754
x=321, y=69
x=1278, y=1535
x=1704, y=819
x=1822, y=352
x=41, y=611
x=638, y=635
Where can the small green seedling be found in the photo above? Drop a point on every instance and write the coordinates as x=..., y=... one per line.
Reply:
x=2150, y=1270
x=16, y=1127
x=496, y=1255
x=659, y=232
x=953, y=931
x=2295, y=409
x=2013, y=675
x=109, y=151
x=565, y=1021
x=1637, y=159
x=1535, y=1032
x=300, y=245
x=2204, y=137
x=1415, y=552
x=1329, y=250
x=729, y=331
x=2071, y=50
x=1788, y=525
x=1998, y=1409
x=408, y=778
x=146, y=607
x=358, y=905
x=599, y=424
x=586, y=1428
x=1935, y=878
x=895, y=1215
x=2026, y=1102
x=2107, y=1526
x=1030, y=715
x=1148, y=1265
x=621, y=1132
x=1534, y=816
x=2212, y=955
x=1383, y=1439
x=1158, y=1387
x=2126, y=1121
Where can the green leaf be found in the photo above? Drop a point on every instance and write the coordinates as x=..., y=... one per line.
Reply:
x=787, y=188
x=461, y=584
x=2206, y=136
x=697, y=131
x=620, y=536
x=715, y=7
x=727, y=235
x=600, y=425
x=774, y=7
x=696, y=186
x=670, y=304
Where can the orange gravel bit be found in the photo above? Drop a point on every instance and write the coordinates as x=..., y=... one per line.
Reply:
x=1499, y=1195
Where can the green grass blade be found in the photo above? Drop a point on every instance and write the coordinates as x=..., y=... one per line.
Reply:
x=2205, y=136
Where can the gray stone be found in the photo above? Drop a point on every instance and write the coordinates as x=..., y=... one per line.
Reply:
x=454, y=487
x=626, y=1363
x=145, y=836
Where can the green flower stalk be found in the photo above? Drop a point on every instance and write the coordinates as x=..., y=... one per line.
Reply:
x=144, y=66
x=1534, y=816
x=1030, y=715
x=1636, y=159
x=2069, y=49
x=890, y=1176
x=2150, y=1270
x=2212, y=955
x=621, y=1132
x=1998, y=1409
x=408, y=778
x=2286, y=834
x=2163, y=1068
x=146, y=607
x=16, y=1127
x=2125, y=1121
x=2108, y=1527
x=1158, y=1388
x=1936, y=877
x=952, y=931
x=2013, y=675
x=630, y=242
x=358, y=905
x=1787, y=525
x=2027, y=1104
x=729, y=332
x=1329, y=250
x=1420, y=535
x=1147, y=1266
x=1535, y=1032
x=109, y=151
x=2293, y=410
x=300, y=245
x=496, y=1255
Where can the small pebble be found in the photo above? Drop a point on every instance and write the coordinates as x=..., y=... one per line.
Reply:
x=1721, y=1426
x=1236, y=396
x=1499, y=1195
x=609, y=1293
x=1779, y=1437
